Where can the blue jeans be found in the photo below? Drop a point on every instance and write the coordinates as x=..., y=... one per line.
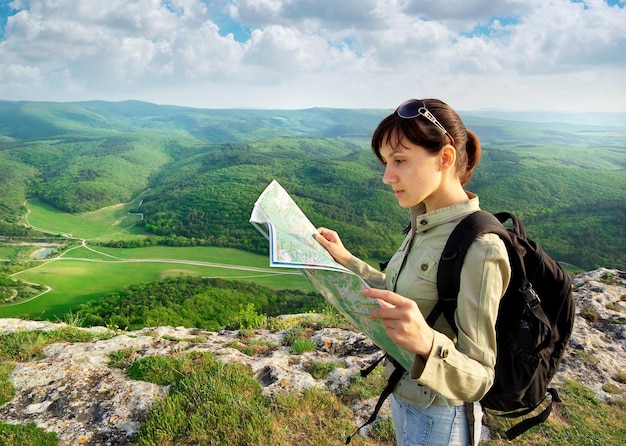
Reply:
x=432, y=426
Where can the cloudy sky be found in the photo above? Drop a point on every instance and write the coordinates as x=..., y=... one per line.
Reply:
x=473, y=54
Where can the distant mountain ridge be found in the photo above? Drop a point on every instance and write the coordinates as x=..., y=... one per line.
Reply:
x=214, y=125
x=205, y=168
x=319, y=121
x=601, y=119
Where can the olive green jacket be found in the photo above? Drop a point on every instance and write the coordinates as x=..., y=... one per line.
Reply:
x=459, y=368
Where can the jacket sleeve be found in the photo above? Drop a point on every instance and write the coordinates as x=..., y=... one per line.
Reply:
x=465, y=370
x=371, y=275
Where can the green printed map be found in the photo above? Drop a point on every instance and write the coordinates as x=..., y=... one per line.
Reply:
x=289, y=231
x=292, y=245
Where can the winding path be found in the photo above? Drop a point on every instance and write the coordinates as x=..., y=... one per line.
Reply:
x=114, y=259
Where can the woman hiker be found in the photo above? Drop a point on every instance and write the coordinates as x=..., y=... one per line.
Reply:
x=429, y=156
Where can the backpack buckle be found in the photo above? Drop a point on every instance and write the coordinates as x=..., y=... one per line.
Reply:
x=531, y=296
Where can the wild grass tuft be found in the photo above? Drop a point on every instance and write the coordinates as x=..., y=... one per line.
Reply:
x=26, y=435
x=7, y=391
x=321, y=369
x=364, y=388
x=215, y=403
x=73, y=319
x=28, y=345
x=209, y=403
x=296, y=333
x=300, y=346
x=122, y=359
x=254, y=346
x=580, y=419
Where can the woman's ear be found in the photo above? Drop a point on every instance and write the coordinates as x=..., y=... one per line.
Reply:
x=448, y=157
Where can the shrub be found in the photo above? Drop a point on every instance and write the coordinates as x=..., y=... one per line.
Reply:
x=320, y=369
x=247, y=318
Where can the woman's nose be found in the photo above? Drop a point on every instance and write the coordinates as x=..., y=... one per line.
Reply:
x=388, y=177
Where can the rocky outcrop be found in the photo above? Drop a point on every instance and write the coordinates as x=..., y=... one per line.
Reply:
x=75, y=392
x=597, y=353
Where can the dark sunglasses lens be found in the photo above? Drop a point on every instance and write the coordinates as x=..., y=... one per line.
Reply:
x=410, y=109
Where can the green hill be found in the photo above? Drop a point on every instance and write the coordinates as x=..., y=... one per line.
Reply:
x=202, y=170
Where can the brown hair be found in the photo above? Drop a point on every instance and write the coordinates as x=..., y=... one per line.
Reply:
x=422, y=132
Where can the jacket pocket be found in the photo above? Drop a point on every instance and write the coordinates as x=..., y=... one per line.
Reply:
x=418, y=280
x=424, y=265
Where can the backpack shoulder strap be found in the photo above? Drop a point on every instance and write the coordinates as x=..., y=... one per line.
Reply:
x=451, y=262
x=392, y=381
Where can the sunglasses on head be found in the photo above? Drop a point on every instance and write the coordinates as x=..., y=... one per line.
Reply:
x=413, y=108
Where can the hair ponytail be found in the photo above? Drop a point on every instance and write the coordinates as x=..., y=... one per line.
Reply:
x=472, y=152
x=466, y=142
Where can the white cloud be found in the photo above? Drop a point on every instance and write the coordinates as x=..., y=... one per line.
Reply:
x=19, y=75
x=464, y=15
x=328, y=14
x=302, y=53
x=285, y=49
x=560, y=36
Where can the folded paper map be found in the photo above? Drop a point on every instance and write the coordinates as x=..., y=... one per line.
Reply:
x=292, y=245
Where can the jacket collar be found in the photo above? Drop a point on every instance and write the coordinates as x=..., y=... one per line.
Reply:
x=422, y=221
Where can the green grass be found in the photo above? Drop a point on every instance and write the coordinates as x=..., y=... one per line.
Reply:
x=84, y=273
x=6, y=252
x=215, y=403
x=581, y=419
x=199, y=253
x=211, y=402
x=110, y=223
x=24, y=346
x=7, y=392
x=300, y=346
x=76, y=281
x=321, y=369
x=81, y=274
x=26, y=435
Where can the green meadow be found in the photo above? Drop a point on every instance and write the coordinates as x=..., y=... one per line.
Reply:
x=116, y=222
x=6, y=252
x=84, y=272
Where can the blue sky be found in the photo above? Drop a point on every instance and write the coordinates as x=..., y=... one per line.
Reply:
x=473, y=54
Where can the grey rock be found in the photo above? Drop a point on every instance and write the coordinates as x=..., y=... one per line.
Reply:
x=74, y=392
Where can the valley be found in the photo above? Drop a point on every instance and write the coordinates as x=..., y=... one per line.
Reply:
x=80, y=272
x=132, y=193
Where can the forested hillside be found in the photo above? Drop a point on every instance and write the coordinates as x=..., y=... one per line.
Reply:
x=194, y=302
x=202, y=170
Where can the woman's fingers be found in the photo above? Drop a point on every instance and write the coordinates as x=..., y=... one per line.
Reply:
x=404, y=322
x=387, y=296
x=330, y=240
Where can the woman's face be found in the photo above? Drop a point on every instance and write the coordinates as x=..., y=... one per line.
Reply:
x=413, y=173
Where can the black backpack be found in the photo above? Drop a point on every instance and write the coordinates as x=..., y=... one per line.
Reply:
x=535, y=319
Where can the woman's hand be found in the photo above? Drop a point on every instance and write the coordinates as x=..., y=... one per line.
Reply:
x=330, y=240
x=404, y=322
